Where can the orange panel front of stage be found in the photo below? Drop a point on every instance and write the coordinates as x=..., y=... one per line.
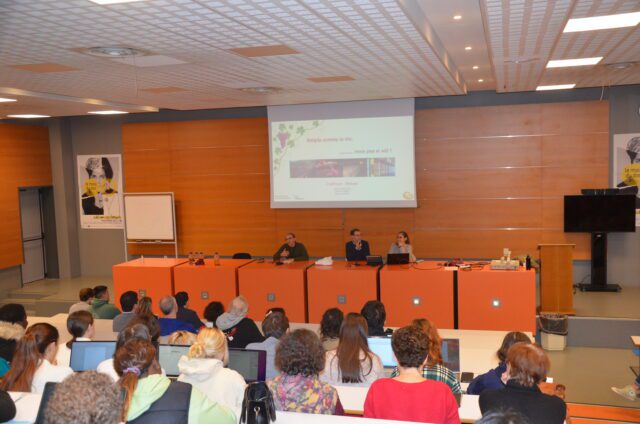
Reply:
x=343, y=285
x=267, y=285
x=151, y=277
x=208, y=282
x=423, y=290
x=497, y=300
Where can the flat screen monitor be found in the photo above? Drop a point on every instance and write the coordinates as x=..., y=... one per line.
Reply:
x=251, y=364
x=169, y=355
x=450, y=348
x=599, y=214
x=86, y=356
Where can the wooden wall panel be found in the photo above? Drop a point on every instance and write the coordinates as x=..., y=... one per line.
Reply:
x=24, y=162
x=487, y=178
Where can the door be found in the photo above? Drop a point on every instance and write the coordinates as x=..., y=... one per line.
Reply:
x=33, y=268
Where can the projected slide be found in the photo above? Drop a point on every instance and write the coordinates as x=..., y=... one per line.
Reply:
x=339, y=160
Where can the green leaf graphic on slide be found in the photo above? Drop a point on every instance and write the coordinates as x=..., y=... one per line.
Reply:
x=286, y=138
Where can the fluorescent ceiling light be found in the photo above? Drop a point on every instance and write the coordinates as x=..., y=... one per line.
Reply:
x=457, y=17
x=480, y=80
x=3, y=100
x=585, y=61
x=28, y=116
x=113, y=1
x=107, y=112
x=603, y=22
x=468, y=48
x=475, y=66
x=555, y=87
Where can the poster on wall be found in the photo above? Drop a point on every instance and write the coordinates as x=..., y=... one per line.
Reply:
x=100, y=191
x=626, y=164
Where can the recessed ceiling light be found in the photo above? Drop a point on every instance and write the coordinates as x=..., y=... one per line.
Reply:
x=468, y=48
x=603, y=22
x=4, y=100
x=457, y=17
x=555, y=87
x=480, y=80
x=475, y=66
x=114, y=51
x=28, y=116
x=113, y=1
x=585, y=61
x=261, y=90
x=620, y=65
x=107, y=112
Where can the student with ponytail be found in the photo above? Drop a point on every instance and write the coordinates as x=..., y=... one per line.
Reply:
x=150, y=397
x=80, y=326
x=33, y=363
x=204, y=368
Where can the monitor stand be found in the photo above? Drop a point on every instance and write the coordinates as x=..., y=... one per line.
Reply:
x=599, y=266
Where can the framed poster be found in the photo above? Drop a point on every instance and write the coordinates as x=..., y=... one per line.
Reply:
x=626, y=164
x=100, y=191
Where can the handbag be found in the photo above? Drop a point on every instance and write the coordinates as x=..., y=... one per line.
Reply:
x=257, y=405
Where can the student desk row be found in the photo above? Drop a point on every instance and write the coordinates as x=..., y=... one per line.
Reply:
x=482, y=299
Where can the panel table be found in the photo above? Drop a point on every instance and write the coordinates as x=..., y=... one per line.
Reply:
x=267, y=285
x=151, y=277
x=208, y=282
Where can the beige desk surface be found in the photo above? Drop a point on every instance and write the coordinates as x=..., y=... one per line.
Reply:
x=636, y=340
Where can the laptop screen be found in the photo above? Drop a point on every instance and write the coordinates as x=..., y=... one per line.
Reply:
x=87, y=356
x=381, y=346
x=169, y=355
x=251, y=364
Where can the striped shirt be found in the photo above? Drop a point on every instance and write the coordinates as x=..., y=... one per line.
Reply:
x=438, y=373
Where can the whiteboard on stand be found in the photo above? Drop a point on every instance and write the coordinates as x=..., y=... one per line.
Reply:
x=149, y=217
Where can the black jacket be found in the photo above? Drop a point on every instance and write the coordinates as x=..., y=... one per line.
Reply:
x=171, y=408
x=538, y=407
x=243, y=333
x=357, y=255
x=9, y=336
x=190, y=317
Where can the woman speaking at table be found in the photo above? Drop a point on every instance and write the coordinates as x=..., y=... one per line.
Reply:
x=403, y=245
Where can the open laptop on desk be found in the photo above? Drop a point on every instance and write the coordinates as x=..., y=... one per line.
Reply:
x=168, y=357
x=86, y=356
x=397, y=259
x=381, y=346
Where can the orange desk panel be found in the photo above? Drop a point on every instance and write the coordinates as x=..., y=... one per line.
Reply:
x=208, y=282
x=497, y=300
x=152, y=277
x=342, y=285
x=421, y=291
x=266, y=285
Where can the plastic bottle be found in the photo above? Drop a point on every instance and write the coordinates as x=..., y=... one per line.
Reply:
x=528, y=262
x=191, y=260
x=216, y=259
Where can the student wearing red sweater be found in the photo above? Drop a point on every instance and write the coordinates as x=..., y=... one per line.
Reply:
x=409, y=396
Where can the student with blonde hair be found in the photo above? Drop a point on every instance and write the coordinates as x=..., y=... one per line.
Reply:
x=204, y=368
x=181, y=337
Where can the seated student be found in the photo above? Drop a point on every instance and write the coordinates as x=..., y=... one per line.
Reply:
x=86, y=297
x=187, y=315
x=630, y=392
x=33, y=362
x=239, y=329
x=181, y=337
x=135, y=330
x=7, y=407
x=274, y=326
x=527, y=366
x=212, y=312
x=204, y=368
x=291, y=250
x=352, y=363
x=374, y=313
x=13, y=322
x=100, y=306
x=169, y=323
x=330, y=328
x=503, y=417
x=145, y=307
x=409, y=396
x=357, y=249
x=128, y=302
x=300, y=359
x=493, y=378
x=150, y=397
x=403, y=245
x=85, y=398
x=435, y=369
x=80, y=326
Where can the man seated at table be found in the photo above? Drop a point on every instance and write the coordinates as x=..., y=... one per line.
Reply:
x=291, y=251
x=100, y=306
x=357, y=249
x=169, y=323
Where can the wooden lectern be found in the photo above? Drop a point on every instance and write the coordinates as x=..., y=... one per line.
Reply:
x=556, y=278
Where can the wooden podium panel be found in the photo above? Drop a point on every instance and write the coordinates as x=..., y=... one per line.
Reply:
x=208, y=282
x=556, y=278
x=267, y=285
x=151, y=277
x=497, y=300
x=420, y=291
x=342, y=285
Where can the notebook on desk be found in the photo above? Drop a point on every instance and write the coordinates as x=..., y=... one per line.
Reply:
x=450, y=348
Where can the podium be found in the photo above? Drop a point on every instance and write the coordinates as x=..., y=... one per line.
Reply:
x=556, y=278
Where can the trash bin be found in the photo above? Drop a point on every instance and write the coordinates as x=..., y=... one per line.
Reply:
x=553, y=331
